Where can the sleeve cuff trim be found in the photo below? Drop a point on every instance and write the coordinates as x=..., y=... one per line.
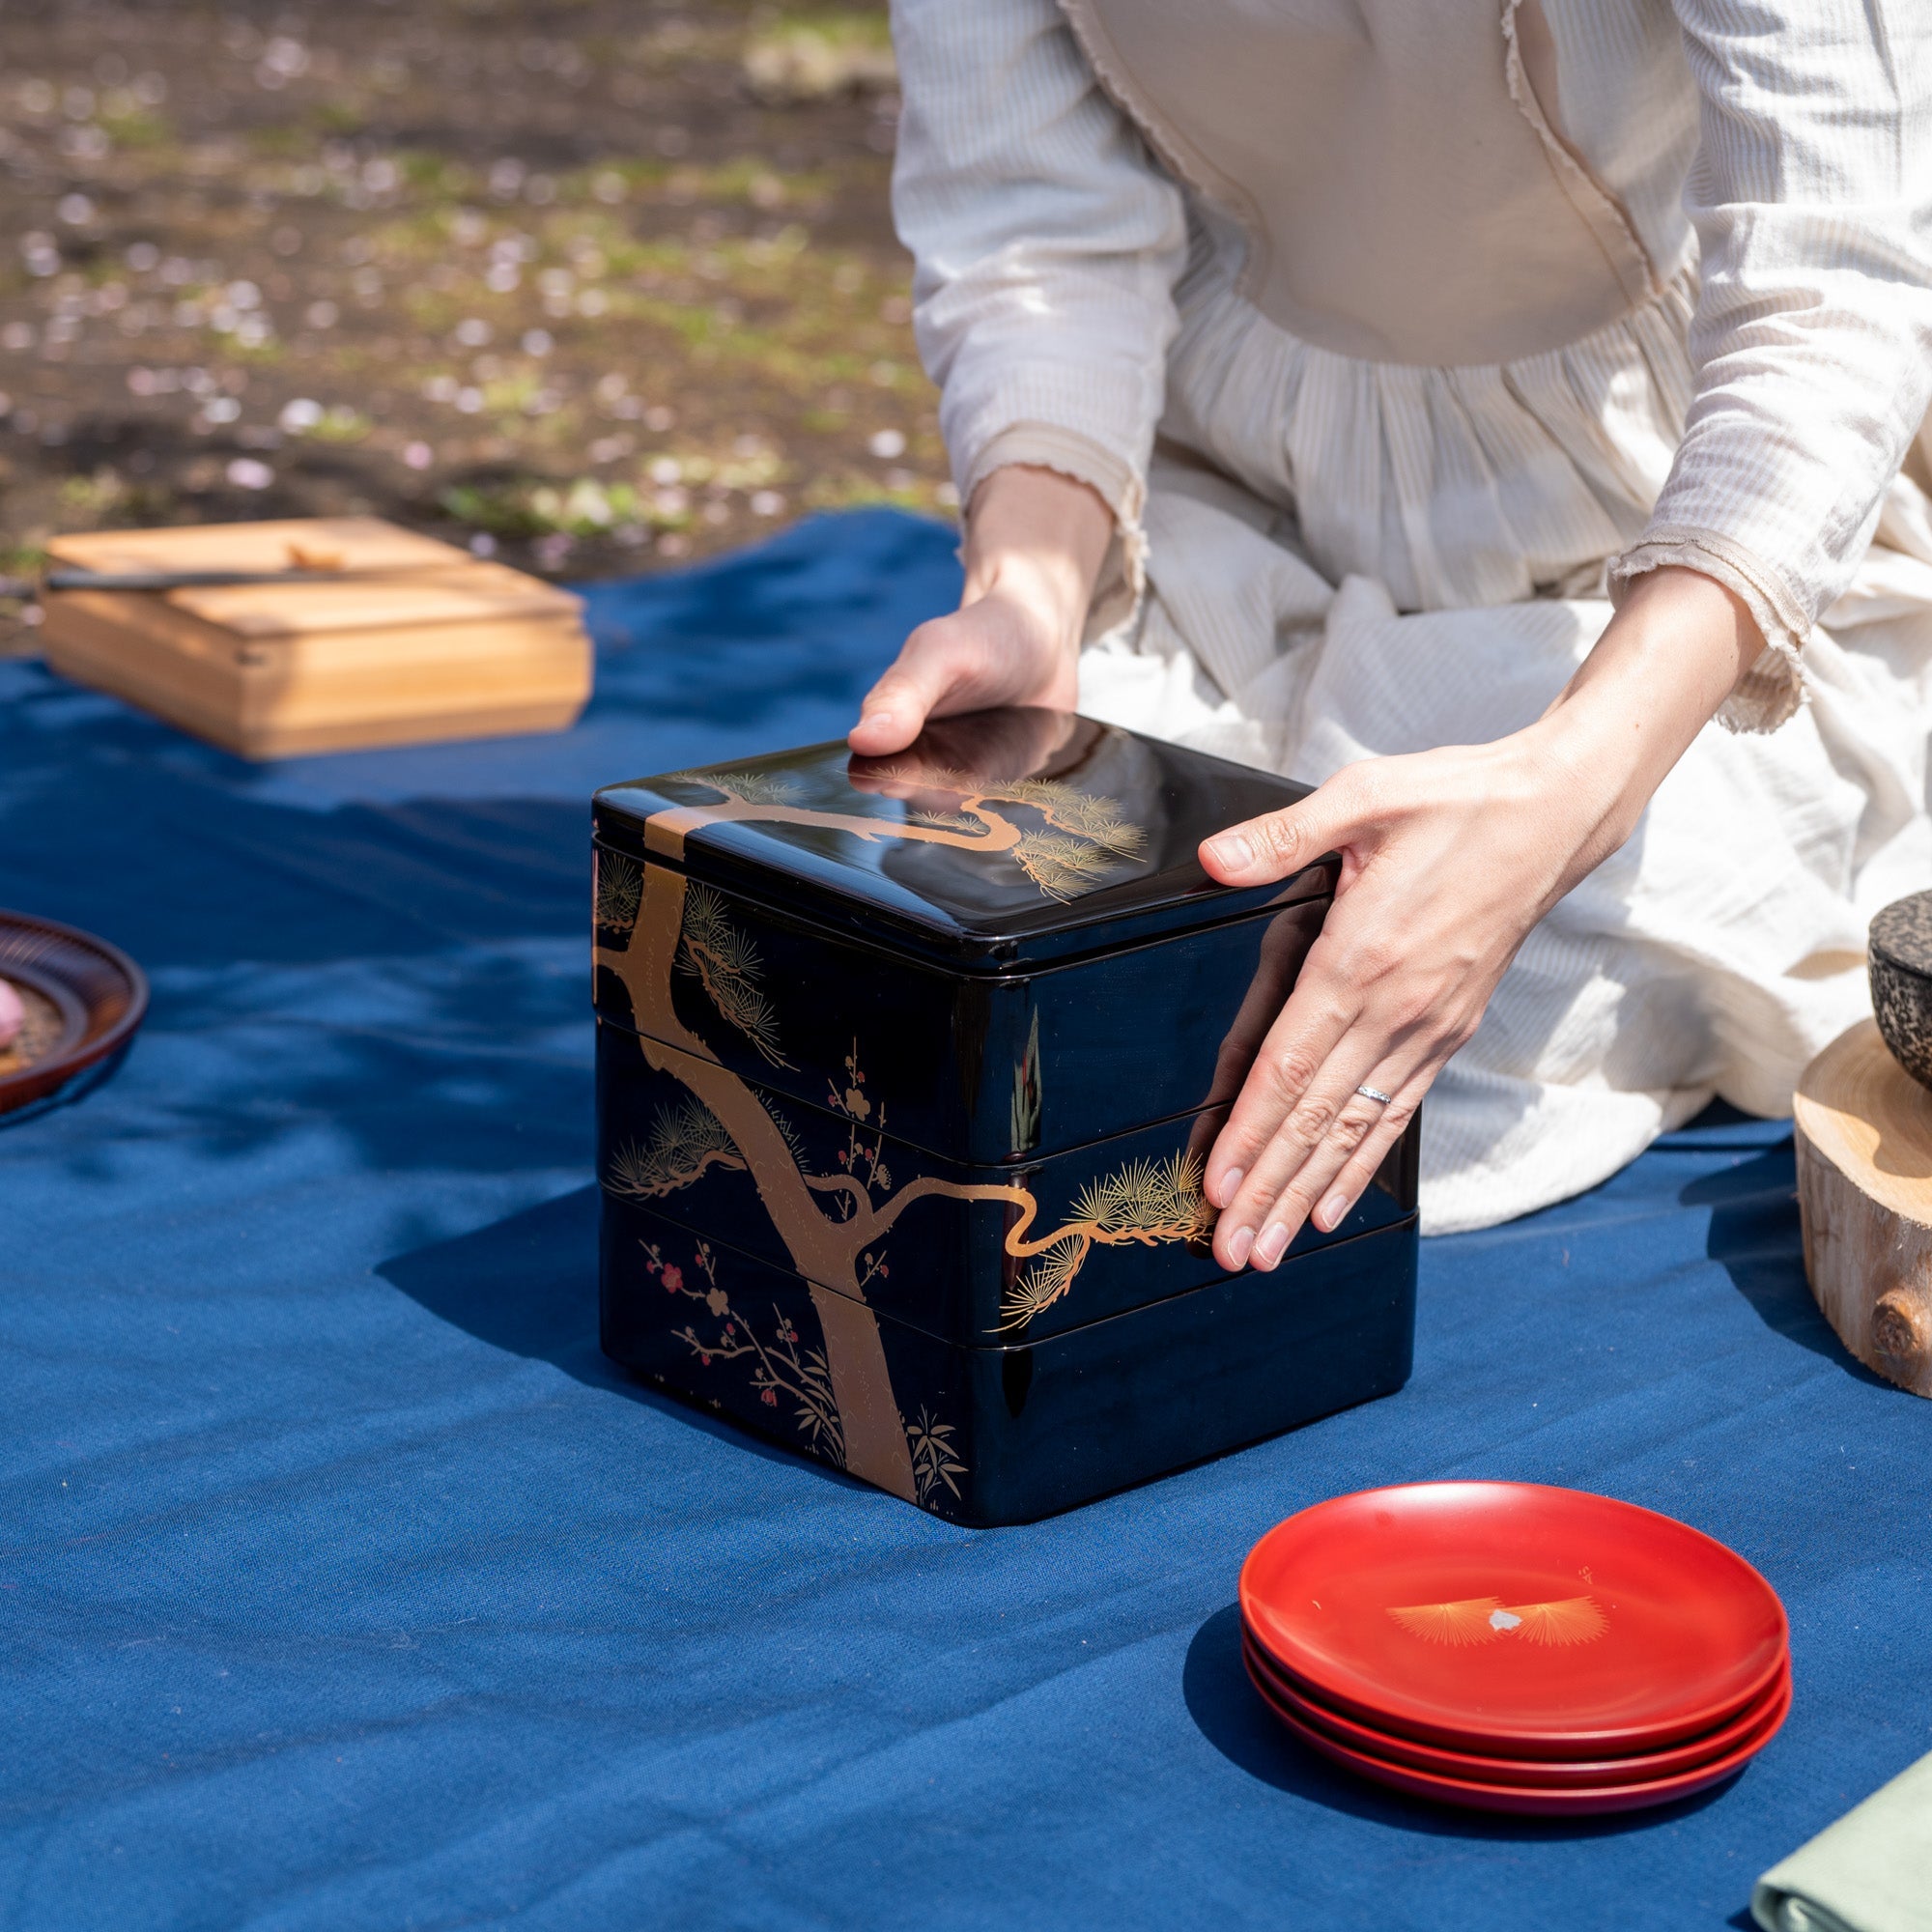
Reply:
x=1041, y=446
x=1773, y=689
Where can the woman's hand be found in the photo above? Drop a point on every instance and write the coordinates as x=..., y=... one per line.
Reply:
x=1035, y=542
x=1448, y=858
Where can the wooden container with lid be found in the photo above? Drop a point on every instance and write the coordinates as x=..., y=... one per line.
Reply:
x=418, y=641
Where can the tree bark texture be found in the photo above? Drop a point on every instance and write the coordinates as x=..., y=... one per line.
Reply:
x=1863, y=1131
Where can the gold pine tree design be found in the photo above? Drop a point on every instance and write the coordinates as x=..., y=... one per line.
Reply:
x=834, y=1226
x=726, y=965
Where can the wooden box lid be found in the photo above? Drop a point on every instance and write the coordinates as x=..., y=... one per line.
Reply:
x=390, y=576
x=416, y=642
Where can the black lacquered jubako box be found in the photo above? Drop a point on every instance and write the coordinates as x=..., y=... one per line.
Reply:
x=907, y=1069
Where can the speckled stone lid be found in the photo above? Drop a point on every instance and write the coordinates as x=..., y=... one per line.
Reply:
x=1902, y=935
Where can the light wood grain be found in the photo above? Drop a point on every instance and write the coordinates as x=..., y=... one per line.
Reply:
x=424, y=581
x=366, y=543
x=459, y=649
x=1863, y=1133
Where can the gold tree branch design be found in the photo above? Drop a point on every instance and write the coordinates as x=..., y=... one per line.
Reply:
x=1148, y=1202
x=1083, y=839
x=838, y=1254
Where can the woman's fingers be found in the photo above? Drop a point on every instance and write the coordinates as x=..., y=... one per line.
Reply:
x=996, y=650
x=1348, y=1186
x=936, y=658
x=1278, y=843
x=1309, y=1144
x=1311, y=1174
x=1283, y=1077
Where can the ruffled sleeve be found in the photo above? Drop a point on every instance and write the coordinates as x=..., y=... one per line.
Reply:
x=1046, y=244
x=1812, y=342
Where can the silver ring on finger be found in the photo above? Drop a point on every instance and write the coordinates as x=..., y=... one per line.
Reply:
x=1375, y=1095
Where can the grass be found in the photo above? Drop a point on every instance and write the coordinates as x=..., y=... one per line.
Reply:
x=600, y=291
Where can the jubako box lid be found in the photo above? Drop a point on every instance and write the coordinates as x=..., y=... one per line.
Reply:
x=998, y=841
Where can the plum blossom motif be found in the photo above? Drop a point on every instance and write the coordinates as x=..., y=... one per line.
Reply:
x=778, y=1367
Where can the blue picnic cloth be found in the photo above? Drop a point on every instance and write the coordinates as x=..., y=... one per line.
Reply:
x=343, y=1584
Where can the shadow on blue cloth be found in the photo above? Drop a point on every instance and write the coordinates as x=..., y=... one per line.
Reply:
x=527, y=1284
x=1754, y=1234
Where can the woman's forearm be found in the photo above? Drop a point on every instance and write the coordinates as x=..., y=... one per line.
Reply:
x=1656, y=676
x=1035, y=544
x=1448, y=858
x=1041, y=536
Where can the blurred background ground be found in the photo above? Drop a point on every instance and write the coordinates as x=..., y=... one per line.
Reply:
x=599, y=284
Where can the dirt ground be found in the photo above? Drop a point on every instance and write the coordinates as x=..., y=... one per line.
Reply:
x=597, y=284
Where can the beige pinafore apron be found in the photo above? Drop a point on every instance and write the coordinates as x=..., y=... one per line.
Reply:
x=1428, y=381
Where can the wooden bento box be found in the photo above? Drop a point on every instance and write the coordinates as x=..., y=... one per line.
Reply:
x=394, y=639
x=907, y=1069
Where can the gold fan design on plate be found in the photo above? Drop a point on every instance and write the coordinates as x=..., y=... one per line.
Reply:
x=1483, y=1619
x=1572, y=1620
x=1467, y=1621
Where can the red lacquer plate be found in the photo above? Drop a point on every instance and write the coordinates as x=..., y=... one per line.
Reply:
x=1513, y=1620
x=84, y=999
x=1530, y=1800
x=1536, y=1773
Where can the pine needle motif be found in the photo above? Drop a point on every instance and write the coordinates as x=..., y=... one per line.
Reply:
x=789, y=1134
x=620, y=888
x=712, y=950
x=933, y=1460
x=1085, y=838
x=1148, y=1201
x=684, y=1142
x=1572, y=1620
x=1061, y=867
x=1466, y=1622
x=932, y=777
x=1097, y=820
x=1044, y=1283
x=753, y=787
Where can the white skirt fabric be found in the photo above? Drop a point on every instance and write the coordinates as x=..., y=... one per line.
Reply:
x=1712, y=956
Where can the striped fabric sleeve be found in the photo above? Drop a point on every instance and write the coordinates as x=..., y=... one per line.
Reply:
x=1812, y=341
x=1045, y=245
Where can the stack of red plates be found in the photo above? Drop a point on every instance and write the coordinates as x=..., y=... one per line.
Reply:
x=1515, y=1648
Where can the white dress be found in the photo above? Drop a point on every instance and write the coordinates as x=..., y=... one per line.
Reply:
x=1399, y=337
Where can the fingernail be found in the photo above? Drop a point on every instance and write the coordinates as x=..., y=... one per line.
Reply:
x=1227, y=1186
x=1332, y=1212
x=875, y=717
x=1271, y=1246
x=1237, y=1248
x=1233, y=852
